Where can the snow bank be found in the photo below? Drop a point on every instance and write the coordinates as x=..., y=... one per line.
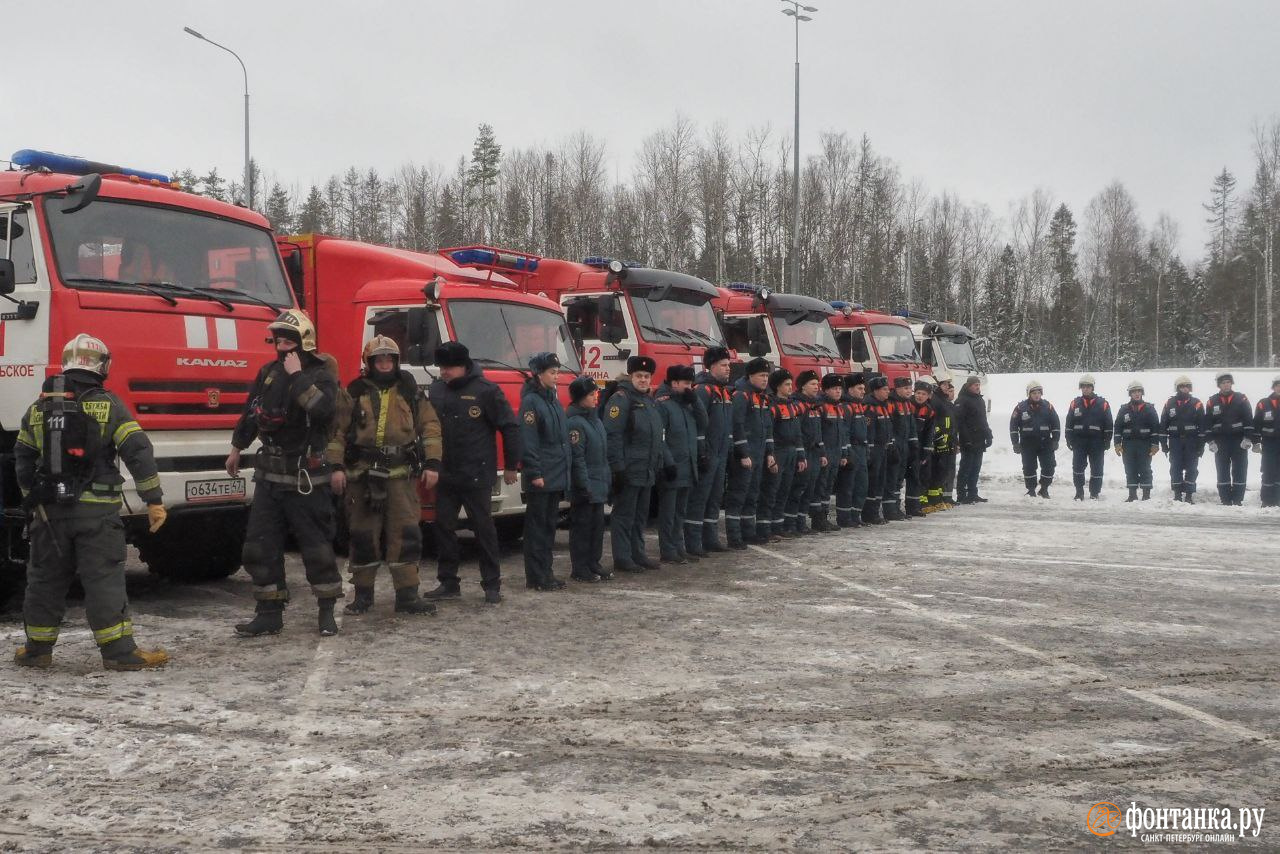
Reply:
x=1002, y=468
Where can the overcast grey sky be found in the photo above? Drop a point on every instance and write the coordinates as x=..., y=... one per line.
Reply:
x=985, y=99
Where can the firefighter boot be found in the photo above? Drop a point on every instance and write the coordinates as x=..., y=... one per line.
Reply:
x=1133, y=494
x=327, y=624
x=33, y=655
x=363, y=601
x=1044, y=490
x=409, y=602
x=1146, y=493
x=138, y=659
x=268, y=619
x=1189, y=499
x=1177, y=495
x=1079, y=493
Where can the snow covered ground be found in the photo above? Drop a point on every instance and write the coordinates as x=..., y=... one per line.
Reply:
x=1002, y=468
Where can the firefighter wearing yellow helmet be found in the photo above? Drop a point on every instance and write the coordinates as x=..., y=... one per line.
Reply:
x=291, y=408
x=66, y=463
x=387, y=441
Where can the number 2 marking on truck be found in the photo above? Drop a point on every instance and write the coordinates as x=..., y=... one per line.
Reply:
x=593, y=356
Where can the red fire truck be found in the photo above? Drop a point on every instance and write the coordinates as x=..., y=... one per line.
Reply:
x=615, y=309
x=875, y=341
x=180, y=288
x=354, y=291
x=790, y=330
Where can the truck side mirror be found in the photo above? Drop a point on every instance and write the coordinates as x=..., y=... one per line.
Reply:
x=422, y=337
x=82, y=193
x=613, y=329
x=757, y=337
x=8, y=278
x=293, y=266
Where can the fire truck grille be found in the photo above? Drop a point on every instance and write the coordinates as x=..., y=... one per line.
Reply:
x=189, y=386
x=223, y=408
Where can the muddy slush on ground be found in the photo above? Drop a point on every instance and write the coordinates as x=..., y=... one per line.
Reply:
x=977, y=679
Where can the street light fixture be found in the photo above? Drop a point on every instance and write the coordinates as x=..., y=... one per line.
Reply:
x=248, y=176
x=796, y=12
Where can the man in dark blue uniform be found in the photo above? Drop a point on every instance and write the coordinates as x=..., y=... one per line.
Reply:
x=1035, y=430
x=682, y=417
x=1266, y=433
x=472, y=411
x=851, y=482
x=633, y=426
x=752, y=450
x=1229, y=430
x=1088, y=428
x=1182, y=438
x=544, y=468
x=702, y=533
x=1137, y=430
x=588, y=482
x=879, y=438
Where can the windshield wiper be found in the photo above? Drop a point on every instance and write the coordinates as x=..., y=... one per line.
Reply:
x=199, y=293
x=97, y=280
x=669, y=333
x=704, y=336
x=237, y=293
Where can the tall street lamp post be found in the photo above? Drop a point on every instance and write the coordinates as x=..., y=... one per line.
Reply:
x=797, y=11
x=248, y=176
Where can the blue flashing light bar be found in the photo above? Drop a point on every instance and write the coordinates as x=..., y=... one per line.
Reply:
x=841, y=305
x=31, y=159
x=602, y=262
x=743, y=287
x=490, y=258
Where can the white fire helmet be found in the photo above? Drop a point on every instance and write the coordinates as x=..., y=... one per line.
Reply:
x=86, y=353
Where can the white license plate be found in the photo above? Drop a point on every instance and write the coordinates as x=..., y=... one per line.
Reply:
x=216, y=489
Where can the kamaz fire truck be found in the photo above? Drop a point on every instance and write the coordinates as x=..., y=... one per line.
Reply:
x=615, y=309
x=354, y=291
x=947, y=346
x=875, y=341
x=790, y=330
x=180, y=288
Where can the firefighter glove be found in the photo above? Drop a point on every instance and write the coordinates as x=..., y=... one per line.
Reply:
x=1245, y=444
x=156, y=514
x=1257, y=447
x=1213, y=447
x=1154, y=450
x=1119, y=448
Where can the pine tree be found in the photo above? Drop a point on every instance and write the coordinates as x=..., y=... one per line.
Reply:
x=448, y=223
x=187, y=180
x=214, y=185
x=279, y=210
x=313, y=217
x=1066, y=312
x=482, y=176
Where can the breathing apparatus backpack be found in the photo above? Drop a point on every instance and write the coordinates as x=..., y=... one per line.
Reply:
x=72, y=445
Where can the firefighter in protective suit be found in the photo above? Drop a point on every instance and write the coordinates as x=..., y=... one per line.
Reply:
x=1137, y=436
x=386, y=441
x=292, y=408
x=65, y=461
x=1266, y=434
x=1182, y=438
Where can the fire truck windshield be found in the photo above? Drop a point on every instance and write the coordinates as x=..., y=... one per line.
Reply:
x=112, y=244
x=507, y=334
x=894, y=343
x=809, y=336
x=671, y=319
x=958, y=354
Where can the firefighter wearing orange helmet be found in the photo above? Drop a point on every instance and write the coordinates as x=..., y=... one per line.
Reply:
x=65, y=460
x=387, y=440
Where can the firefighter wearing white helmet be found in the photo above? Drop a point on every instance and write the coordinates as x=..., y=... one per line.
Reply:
x=1035, y=430
x=386, y=441
x=1266, y=433
x=1229, y=430
x=65, y=459
x=1088, y=432
x=1182, y=426
x=1137, y=440
x=291, y=409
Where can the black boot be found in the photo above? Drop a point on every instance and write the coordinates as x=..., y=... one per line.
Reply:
x=1177, y=495
x=1146, y=493
x=444, y=591
x=1133, y=494
x=1187, y=498
x=409, y=602
x=1079, y=493
x=1031, y=491
x=325, y=621
x=268, y=619
x=1044, y=490
x=362, y=603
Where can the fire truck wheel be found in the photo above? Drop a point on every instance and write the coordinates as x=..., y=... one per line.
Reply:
x=197, y=547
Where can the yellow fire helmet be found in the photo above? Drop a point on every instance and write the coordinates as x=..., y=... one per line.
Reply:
x=380, y=345
x=294, y=323
x=86, y=353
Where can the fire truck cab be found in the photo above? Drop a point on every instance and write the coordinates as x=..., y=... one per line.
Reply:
x=790, y=330
x=947, y=346
x=181, y=289
x=355, y=291
x=616, y=309
x=875, y=341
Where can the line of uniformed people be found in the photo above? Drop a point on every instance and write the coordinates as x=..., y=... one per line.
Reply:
x=1182, y=429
